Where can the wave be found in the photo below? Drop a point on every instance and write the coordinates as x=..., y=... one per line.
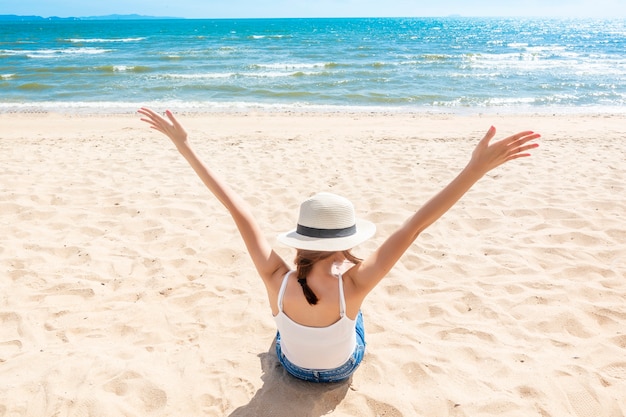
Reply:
x=461, y=106
x=566, y=63
x=286, y=65
x=47, y=70
x=52, y=53
x=269, y=36
x=200, y=76
x=421, y=58
x=65, y=74
x=302, y=65
x=267, y=74
x=104, y=40
x=34, y=87
x=125, y=68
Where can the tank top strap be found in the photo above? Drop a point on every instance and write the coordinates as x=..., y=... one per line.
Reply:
x=342, y=299
x=281, y=292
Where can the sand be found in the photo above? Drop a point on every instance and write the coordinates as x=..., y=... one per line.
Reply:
x=125, y=289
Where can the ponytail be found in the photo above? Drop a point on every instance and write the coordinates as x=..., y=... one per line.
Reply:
x=304, y=262
x=310, y=296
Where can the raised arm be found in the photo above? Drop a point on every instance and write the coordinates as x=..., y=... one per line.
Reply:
x=485, y=157
x=267, y=262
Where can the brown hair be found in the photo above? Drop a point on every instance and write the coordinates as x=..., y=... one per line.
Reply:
x=305, y=259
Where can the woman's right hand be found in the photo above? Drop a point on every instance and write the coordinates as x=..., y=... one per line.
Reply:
x=172, y=129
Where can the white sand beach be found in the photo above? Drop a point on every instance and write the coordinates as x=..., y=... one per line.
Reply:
x=125, y=289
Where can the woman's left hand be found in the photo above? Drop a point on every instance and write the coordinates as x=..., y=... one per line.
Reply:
x=487, y=156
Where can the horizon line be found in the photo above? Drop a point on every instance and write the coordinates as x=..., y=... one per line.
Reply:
x=130, y=16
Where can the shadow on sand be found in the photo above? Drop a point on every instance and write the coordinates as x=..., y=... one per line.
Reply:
x=285, y=396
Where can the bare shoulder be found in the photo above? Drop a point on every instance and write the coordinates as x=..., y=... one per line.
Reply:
x=351, y=283
x=353, y=292
x=275, y=280
x=272, y=287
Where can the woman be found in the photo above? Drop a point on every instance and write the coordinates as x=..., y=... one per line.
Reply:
x=320, y=328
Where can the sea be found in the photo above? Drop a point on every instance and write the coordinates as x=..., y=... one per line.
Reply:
x=450, y=65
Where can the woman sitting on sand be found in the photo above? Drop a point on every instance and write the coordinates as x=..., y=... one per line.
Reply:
x=318, y=313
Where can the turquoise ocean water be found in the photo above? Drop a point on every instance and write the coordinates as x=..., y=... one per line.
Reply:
x=390, y=64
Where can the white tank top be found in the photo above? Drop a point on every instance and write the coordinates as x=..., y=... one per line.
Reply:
x=316, y=347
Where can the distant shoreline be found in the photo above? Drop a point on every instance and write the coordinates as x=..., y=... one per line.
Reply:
x=18, y=18
x=29, y=18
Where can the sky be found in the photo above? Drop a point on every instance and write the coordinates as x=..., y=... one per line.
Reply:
x=316, y=8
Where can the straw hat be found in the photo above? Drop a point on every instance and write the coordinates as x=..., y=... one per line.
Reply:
x=327, y=223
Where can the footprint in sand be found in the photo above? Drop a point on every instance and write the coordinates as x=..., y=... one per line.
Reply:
x=10, y=335
x=584, y=400
x=134, y=387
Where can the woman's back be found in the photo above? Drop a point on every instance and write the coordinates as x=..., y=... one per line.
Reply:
x=312, y=341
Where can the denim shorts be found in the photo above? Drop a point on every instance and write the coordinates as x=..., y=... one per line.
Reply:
x=328, y=375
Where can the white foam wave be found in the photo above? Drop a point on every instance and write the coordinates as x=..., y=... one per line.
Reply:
x=110, y=107
x=215, y=75
x=52, y=53
x=269, y=36
x=270, y=74
x=286, y=65
x=125, y=68
x=499, y=106
x=567, y=62
x=104, y=40
x=218, y=75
